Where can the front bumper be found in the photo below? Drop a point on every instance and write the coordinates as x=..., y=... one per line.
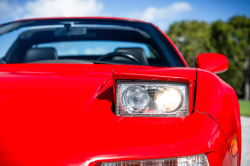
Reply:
x=97, y=135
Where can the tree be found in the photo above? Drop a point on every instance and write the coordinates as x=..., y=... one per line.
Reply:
x=191, y=38
x=231, y=38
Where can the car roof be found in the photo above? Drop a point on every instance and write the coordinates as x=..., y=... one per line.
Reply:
x=97, y=17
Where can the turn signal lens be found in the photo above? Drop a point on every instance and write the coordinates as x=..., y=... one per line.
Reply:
x=234, y=147
x=199, y=160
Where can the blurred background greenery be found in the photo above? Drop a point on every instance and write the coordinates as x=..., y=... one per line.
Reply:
x=244, y=107
x=230, y=38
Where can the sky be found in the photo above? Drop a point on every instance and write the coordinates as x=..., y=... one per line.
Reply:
x=160, y=12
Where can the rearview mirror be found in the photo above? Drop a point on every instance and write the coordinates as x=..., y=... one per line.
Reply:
x=216, y=63
x=72, y=31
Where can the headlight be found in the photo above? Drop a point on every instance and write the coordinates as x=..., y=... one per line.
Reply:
x=151, y=98
x=198, y=160
x=135, y=99
x=168, y=99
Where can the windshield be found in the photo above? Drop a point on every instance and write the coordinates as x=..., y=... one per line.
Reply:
x=91, y=48
x=92, y=40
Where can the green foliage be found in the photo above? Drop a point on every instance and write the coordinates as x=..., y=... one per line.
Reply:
x=231, y=38
x=244, y=108
x=191, y=38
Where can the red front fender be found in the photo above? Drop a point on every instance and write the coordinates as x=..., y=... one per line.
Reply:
x=80, y=137
x=217, y=99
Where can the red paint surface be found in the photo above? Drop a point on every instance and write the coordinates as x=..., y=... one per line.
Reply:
x=216, y=63
x=60, y=115
x=219, y=100
x=95, y=135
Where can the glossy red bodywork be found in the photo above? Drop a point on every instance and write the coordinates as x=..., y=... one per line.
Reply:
x=221, y=104
x=60, y=115
x=216, y=63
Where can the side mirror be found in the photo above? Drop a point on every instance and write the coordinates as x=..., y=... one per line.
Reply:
x=216, y=63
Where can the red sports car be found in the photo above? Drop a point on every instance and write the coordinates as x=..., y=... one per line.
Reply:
x=99, y=91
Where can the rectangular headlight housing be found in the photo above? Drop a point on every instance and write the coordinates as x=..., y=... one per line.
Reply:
x=198, y=160
x=150, y=98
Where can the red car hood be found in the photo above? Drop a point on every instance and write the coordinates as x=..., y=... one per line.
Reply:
x=61, y=115
x=69, y=87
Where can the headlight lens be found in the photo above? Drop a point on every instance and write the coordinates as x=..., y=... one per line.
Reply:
x=168, y=99
x=151, y=99
x=135, y=99
x=198, y=160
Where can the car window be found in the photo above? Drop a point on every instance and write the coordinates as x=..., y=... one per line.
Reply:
x=95, y=40
x=81, y=48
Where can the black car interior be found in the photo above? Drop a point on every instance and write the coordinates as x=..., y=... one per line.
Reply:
x=38, y=54
x=137, y=52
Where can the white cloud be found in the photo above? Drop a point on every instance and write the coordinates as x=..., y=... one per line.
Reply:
x=48, y=8
x=69, y=52
x=153, y=13
x=51, y=8
x=4, y=7
x=161, y=16
x=8, y=10
x=95, y=51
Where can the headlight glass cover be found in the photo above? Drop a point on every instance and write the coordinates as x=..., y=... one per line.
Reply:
x=151, y=98
x=198, y=160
